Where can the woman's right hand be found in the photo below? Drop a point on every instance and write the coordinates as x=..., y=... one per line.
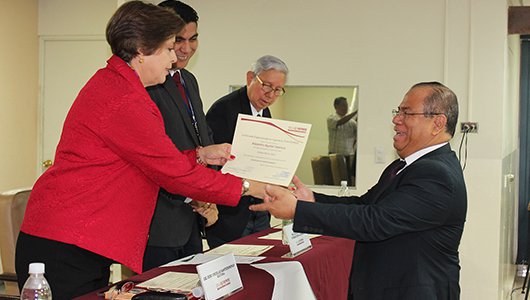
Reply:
x=257, y=189
x=217, y=154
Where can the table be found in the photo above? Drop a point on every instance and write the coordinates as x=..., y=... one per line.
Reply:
x=327, y=266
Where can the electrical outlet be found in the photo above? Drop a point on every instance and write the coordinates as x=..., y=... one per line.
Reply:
x=469, y=127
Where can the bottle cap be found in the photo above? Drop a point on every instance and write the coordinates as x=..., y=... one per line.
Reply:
x=344, y=183
x=197, y=292
x=36, y=268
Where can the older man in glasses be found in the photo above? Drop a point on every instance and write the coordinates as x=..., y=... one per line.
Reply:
x=408, y=226
x=265, y=83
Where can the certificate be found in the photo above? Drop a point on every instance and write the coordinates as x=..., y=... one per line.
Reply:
x=242, y=250
x=267, y=150
x=176, y=282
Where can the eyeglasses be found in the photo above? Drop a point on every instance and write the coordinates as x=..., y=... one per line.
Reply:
x=267, y=88
x=401, y=113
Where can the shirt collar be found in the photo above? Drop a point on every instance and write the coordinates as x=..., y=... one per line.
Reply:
x=255, y=112
x=416, y=155
x=173, y=71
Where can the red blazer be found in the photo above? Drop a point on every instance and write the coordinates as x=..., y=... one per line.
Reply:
x=112, y=158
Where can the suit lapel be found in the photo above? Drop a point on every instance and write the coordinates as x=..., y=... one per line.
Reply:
x=267, y=113
x=385, y=188
x=171, y=88
x=195, y=99
x=245, y=102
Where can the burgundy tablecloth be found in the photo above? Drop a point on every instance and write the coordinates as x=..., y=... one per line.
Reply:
x=327, y=267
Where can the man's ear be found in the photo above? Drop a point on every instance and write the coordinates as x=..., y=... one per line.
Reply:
x=250, y=77
x=439, y=123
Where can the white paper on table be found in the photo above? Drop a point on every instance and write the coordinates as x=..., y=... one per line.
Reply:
x=290, y=280
x=244, y=250
x=272, y=236
x=172, y=281
x=277, y=235
x=267, y=150
x=201, y=258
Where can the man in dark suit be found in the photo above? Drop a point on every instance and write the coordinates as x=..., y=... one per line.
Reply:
x=265, y=83
x=175, y=230
x=409, y=225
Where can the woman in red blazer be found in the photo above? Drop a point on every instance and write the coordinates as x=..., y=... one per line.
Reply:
x=93, y=207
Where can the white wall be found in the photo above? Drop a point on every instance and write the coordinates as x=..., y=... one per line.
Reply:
x=383, y=47
x=18, y=93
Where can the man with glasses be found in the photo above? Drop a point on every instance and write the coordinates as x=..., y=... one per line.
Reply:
x=408, y=226
x=265, y=83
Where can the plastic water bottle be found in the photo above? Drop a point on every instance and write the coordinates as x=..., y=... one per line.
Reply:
x=344, y=191
x=285, y=240
x=36, y=287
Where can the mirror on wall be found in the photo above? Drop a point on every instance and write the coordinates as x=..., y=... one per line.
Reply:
x=313, y=105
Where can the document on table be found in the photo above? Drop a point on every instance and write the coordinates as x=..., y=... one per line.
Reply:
x=277, y=235
x=244, y=250
x=172, y=281
x=201, y=258
x=267, y=150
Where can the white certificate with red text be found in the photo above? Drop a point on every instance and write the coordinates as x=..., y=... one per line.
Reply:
x=267, y=150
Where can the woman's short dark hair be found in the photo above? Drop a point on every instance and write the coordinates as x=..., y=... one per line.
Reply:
x=138, y=26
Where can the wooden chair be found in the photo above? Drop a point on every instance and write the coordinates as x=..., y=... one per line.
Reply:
x=339, y=169
x=12, y=208
x=321, y=166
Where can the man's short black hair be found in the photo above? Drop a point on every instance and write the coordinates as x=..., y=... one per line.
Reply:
x=186, y=12
x=338, y=100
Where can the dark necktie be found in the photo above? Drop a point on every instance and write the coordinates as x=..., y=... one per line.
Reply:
x=258, y=115
x=394, y=169
x=176, y=78
x=386, y=178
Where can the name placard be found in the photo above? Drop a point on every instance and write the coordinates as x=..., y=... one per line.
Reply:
x=220, y=277
x=298, y=242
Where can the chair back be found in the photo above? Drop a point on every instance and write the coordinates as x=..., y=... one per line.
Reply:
x=12, y=208
x=321, y=166
x=339, y=169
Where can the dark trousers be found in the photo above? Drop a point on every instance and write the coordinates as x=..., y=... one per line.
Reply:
x=257, y=221
x=155, y=256
x=71, y=271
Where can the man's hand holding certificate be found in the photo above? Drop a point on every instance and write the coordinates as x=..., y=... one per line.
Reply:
x=267, y=150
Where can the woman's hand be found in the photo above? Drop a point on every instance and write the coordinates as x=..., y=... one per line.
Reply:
x=302, y=192
x=214, y=154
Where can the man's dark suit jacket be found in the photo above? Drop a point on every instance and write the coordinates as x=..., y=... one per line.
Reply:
x=173, y=220
x=407, y=233
x=222, y=119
